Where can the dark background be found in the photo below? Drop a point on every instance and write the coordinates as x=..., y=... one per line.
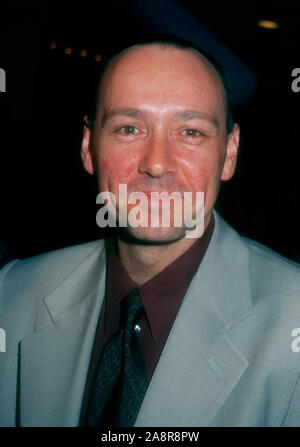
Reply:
x=48, y=201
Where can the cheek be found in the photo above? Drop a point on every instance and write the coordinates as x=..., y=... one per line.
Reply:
x=201, y=171
x=113, y=169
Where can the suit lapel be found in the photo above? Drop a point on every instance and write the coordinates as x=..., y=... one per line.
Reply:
x=57, y=356
x=200, y=365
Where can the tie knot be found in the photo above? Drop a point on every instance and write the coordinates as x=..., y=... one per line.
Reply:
x=131, y=307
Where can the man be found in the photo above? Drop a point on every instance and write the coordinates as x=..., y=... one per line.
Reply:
x=215, y=332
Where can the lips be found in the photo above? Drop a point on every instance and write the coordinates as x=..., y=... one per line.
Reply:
x=148, y=193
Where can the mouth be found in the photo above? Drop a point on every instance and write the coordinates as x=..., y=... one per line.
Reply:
x=158, y=193
x=160, y=196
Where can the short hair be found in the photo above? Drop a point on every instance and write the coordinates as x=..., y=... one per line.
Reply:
x=166, y=40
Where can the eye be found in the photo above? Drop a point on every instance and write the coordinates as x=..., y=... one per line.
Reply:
x=128, y=130
x=192, y=133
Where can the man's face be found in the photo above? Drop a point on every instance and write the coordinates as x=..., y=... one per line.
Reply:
x=161, y=126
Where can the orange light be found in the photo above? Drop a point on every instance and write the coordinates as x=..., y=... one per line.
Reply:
x=68, y=50
x=52, y=46
x=83, y=53
x=98, y=57
x=268, y=24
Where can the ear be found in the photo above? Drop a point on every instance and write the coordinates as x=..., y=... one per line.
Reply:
x=86, y=148
x=231, y=153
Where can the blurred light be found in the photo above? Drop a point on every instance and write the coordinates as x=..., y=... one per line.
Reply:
x=268, y=24
x=52, y=46
x=83, y=53
x=68, y=50
x=98, y=57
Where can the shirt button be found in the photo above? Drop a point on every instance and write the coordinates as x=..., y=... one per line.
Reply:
x=137, y=329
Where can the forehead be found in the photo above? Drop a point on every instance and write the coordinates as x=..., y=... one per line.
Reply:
x=162, y=76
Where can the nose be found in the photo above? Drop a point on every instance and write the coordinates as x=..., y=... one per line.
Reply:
x=157, y=158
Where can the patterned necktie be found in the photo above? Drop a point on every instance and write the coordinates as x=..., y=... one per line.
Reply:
x=120, y=383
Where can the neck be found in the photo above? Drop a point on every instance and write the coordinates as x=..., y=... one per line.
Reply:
x=143, y=262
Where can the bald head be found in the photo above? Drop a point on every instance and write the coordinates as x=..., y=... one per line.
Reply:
x=142, y=57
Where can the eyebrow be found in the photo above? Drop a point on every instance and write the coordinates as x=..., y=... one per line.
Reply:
x=195, y=114
x=131, y=112
x=136, y=113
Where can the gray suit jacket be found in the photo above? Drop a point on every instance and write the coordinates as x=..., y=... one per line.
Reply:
x=228, y=359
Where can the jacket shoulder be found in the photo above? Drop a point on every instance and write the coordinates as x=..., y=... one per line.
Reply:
x=44, y=271
x=272, y=275
x=266, y=260
x=263, y=261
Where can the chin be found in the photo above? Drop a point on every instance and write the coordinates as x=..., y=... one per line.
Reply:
x=152, y=236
